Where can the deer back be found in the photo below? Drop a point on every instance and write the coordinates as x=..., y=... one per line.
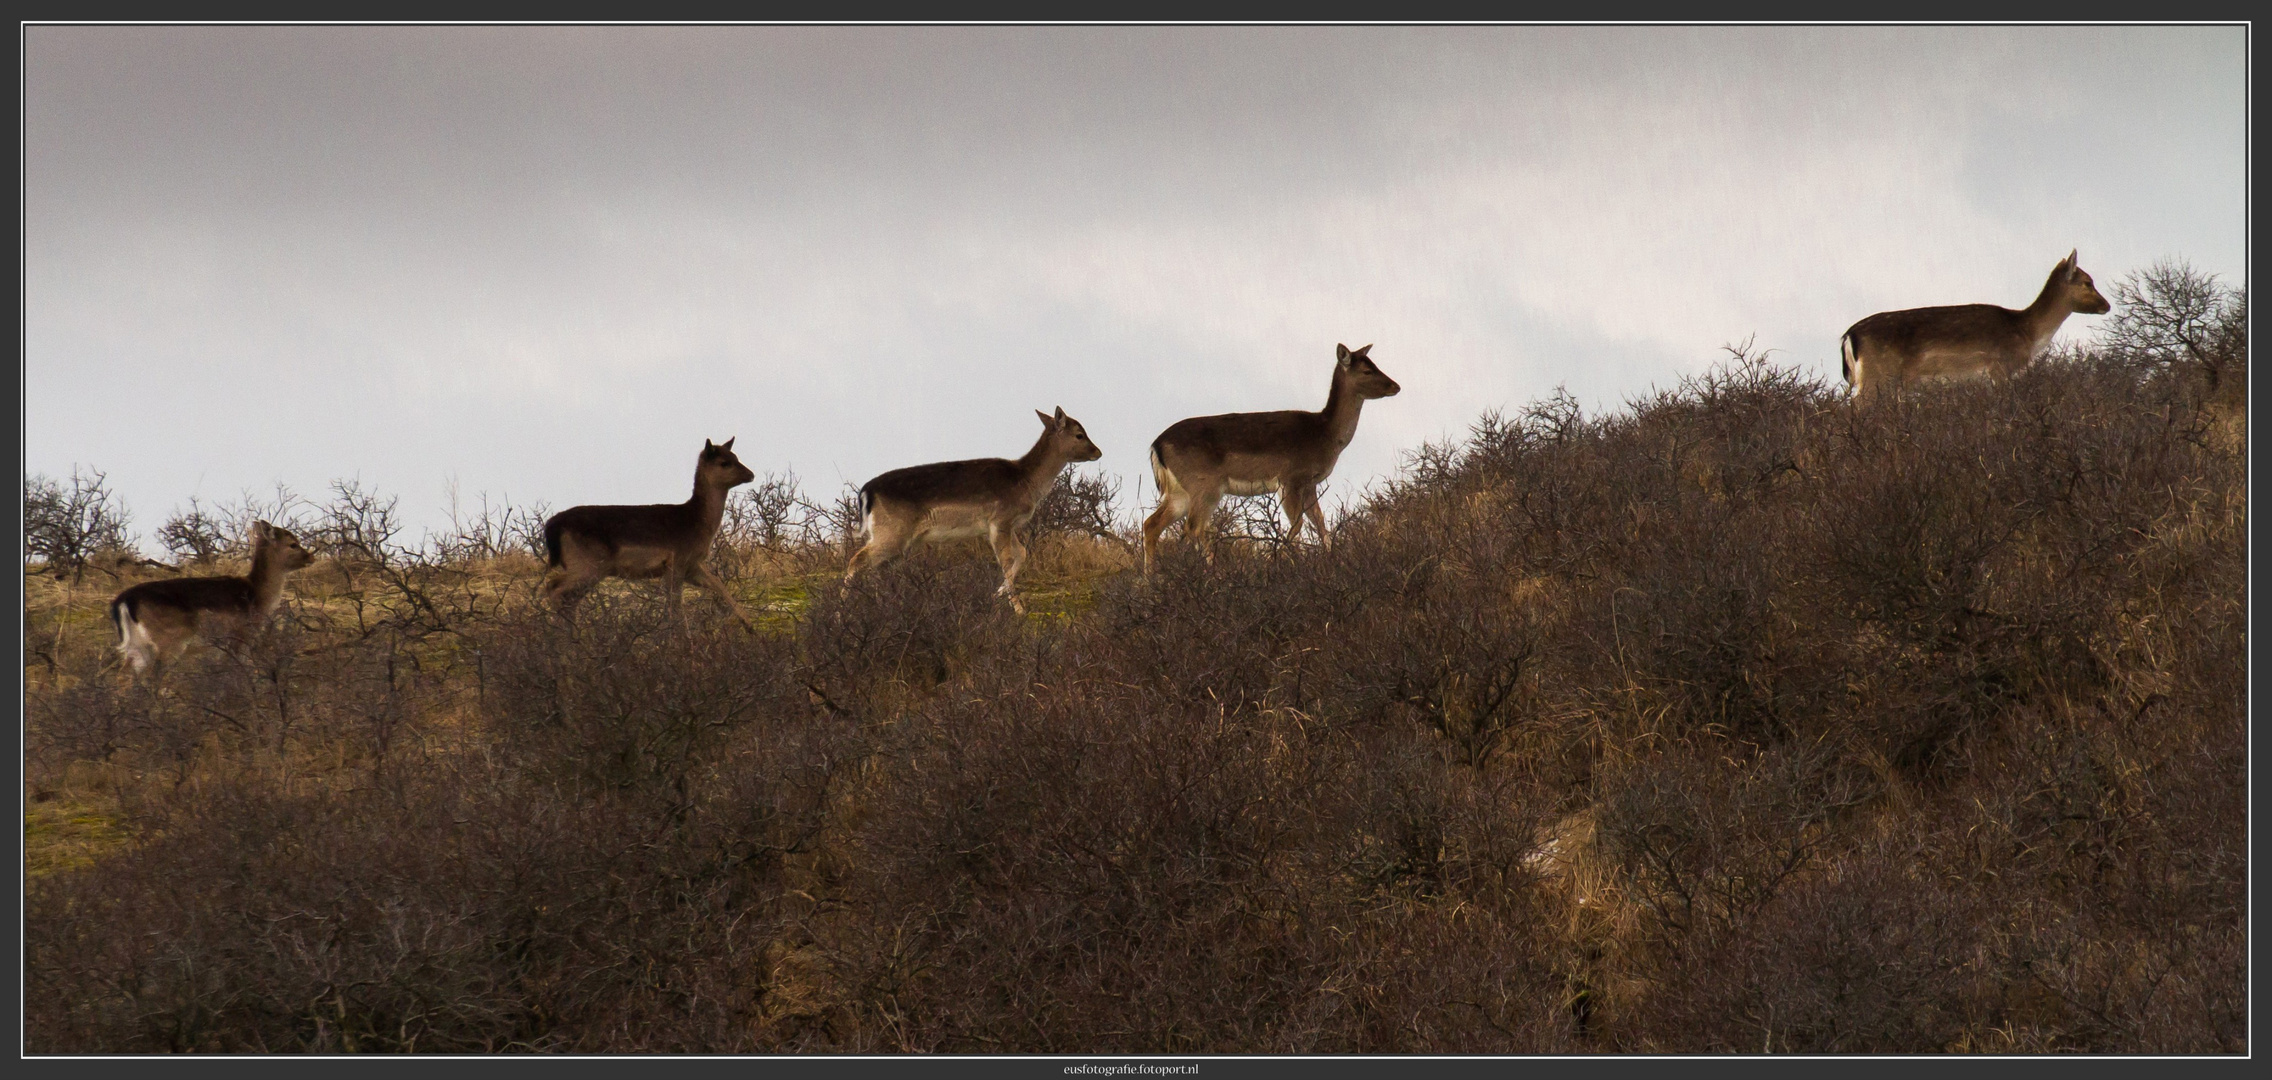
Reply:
x=979, y=481
x=192, y=595
x=672, y=526
x=1250, y=446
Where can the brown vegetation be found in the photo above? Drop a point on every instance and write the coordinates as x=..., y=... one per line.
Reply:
x=1740, y=720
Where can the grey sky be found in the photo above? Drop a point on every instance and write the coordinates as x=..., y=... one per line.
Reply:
x=548, y=261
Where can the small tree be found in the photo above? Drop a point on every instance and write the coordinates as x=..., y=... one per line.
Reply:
x=1079, y=504
x=65, y=526
x=195, y=535
x=2173, y=318
x=767, y=514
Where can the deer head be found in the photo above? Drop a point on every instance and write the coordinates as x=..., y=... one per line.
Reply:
x=2076, y=290
x=1067, y=436
x=719, y=468
x=1360, y=374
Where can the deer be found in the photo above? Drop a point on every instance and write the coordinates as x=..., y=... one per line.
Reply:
x=1891, y=349
x=157, y=619
x=584, y=545
x=950, y=500
x=1195, y=462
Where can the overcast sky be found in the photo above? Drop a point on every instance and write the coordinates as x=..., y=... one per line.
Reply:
x=547, y=262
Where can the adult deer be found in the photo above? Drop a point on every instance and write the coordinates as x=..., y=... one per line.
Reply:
x=1967, y=341
x=584, y=545
x=156, y=619
x=989, y=497
x=1197, y=461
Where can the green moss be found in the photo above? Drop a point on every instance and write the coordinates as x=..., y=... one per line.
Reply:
x=777, y=606
x=65, y=835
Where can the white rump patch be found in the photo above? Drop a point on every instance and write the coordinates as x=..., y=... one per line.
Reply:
x=134, y=641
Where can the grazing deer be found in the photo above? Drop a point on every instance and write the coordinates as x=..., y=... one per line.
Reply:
x=989, y=497
x=1199, y=460
x=156, y=619
x=1893, y=348
x=587, y=544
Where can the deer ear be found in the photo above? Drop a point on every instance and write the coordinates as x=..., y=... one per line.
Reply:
x=260, y=529
x=1362, y=351
x=728, y=444
x=1045, y=420
x=1061, y=416
x=708, y=445
x=1340, y=353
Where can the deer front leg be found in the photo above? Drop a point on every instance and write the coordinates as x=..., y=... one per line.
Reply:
x=1012, y=555
x=702, y=575
x=1199, y=525
x=1316, y=515
x=674, y=583
x=1290, y=499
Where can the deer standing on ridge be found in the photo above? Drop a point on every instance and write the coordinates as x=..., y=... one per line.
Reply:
x=989, y=497
x=1967, y=341
x=1197, y=461
x=585, y=544
x=156, y=619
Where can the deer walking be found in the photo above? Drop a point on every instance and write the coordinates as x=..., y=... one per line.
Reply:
x=584, y=545
x=157, y=619
x=1199, y=460
x=1891, y=349
x=989, y=497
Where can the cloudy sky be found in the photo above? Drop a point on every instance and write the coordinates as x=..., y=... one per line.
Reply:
x=546, y=262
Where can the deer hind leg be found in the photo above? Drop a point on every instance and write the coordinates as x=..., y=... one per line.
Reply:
x=702, y=575
x=1173, y=505
x=1012, y=555
x=579, y=570
x=159, y=638
x=885, y=542
x=135, y=644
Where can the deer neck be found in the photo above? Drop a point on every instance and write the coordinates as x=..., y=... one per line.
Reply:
x=267, y=580
x=1040, y=466
x=709, y=503
x=1342, y=405
x=2044, y=316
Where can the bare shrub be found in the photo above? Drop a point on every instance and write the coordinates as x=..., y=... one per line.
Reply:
x=196, y=535
x=2171, y=317
x=69, y=523
x=1079, y=504
x=492, y=531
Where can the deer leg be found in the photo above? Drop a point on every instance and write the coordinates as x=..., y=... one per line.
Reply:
x=162, y=638
x=1290, y=498
x=1012, y=555
x=875, y=552
x=1200, y=524
x=674, y=583
x=1316, y=515
x=1172, y=506
x=566, y=589
x=137, y=648
x=580, y=569
x=886, y=539
x=702, y=575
